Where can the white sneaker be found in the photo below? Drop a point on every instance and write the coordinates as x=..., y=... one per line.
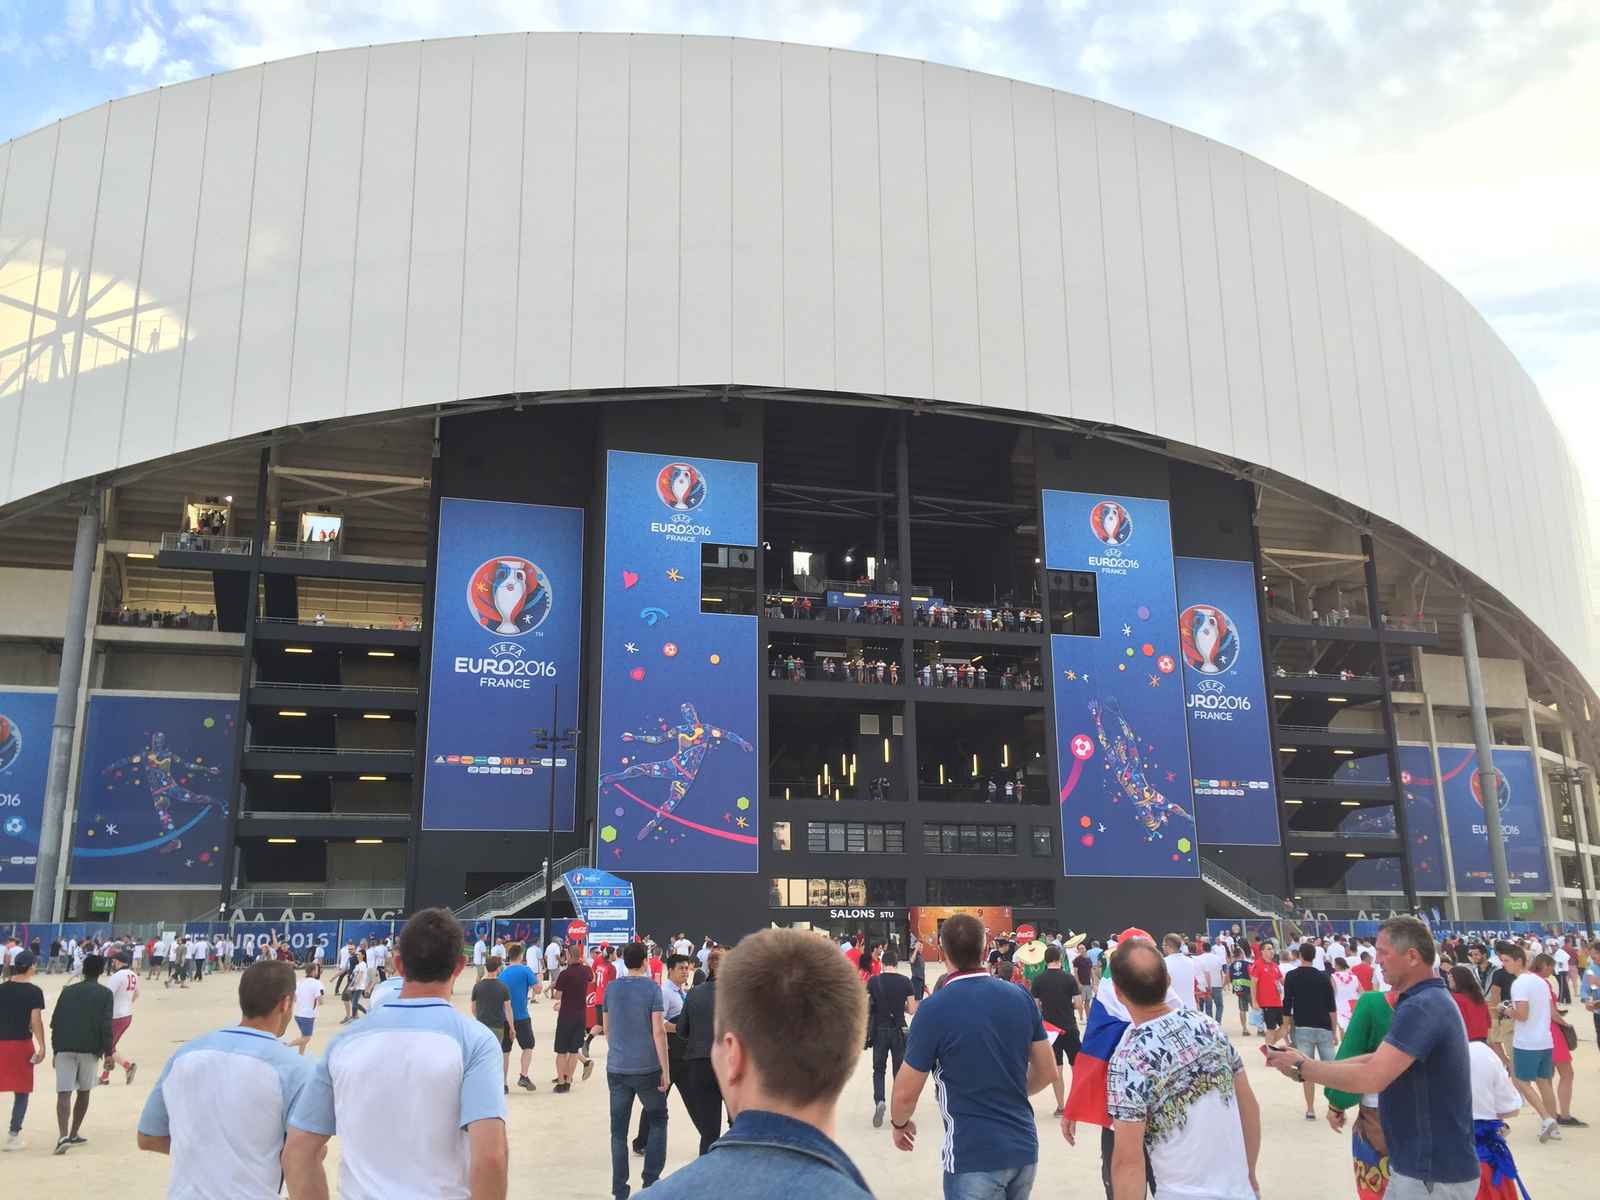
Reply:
x=1548, y=1130
x=15, y=1143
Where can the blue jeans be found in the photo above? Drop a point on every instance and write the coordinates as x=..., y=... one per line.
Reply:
x=647, y=1087
x=1014, y=1183
x=1216, y=1005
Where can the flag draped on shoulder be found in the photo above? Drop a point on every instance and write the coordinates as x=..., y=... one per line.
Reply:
x=1086, y=1101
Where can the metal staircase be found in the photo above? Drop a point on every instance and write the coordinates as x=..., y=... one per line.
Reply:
x=513, y=897
x=1259, y=903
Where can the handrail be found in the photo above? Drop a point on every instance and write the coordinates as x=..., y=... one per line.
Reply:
x=1330, y=676
x=1298, y=781
x=340, y=750
x=412, y=624
x=332, y=687
x=206, y=543
x=386, y=897
x=1282, y=728
x=509, y=897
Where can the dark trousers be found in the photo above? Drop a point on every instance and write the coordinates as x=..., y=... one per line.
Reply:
x=675, y=1076
x=647, y=1088
x=19, y=1109
x=1108, y=1143
x=1597, y=1028
x=888, y=1042
x=702, y=1096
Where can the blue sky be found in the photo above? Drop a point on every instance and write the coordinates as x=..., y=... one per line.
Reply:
x=1462, y=127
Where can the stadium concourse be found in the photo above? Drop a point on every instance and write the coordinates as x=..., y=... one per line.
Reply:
x=559, y=1143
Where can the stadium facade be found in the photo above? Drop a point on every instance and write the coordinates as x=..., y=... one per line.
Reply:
x=820, y=485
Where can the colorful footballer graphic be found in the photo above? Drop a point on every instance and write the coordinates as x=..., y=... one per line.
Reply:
x=681, y=486
x=1111, y=523
x=1502, y=793
x=509, y=595
x=1209, y=639
x=10, y=741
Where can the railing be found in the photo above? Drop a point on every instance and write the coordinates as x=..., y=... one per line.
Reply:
x=875, y=672
x=317, y=550
x=407, y=624
x=792, y=608
x=1325, y=729
x=979, y=679
x=332, y=688
x=1262, y=904
x=1004, y=618
x=1411, y=624
x=336, y=750
x=1330, y=676
x=1374, y=785
x=510, y=897
x=978, y=793
x=378, y=897
x=206, y=543
x=334, y=815
x=149, y=618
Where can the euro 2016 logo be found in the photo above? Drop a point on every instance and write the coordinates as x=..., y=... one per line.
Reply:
x=681, y=487
x=1210, y=642
x=10, y=742
x=509, y=596
x=1502, y=788
x=1111, y=523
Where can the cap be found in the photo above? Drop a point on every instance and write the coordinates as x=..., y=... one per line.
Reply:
x=23, y=961
x=1133, y=931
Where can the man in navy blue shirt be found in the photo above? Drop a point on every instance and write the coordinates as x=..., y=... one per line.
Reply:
x=1421, y=1072
x=985, y=1045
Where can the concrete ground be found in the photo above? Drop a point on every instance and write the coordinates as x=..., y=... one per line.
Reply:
x=559, y=1144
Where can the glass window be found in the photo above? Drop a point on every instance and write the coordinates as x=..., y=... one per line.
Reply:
x=817, y=894
x=950, y=838
x=835, y=837
x=874, y=838
x=986, y=839
x=855, y=838
x=780, y=835
x=930, y=839
x=728, y=579
x=969, y=839
x=1074, y=603
x=817, y=837
x=1043, y=841
x=836, y=892
x=1005, y=839
x=894, y=838
x=778, y=893
x=883, y=891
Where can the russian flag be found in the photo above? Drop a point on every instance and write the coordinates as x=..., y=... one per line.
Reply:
x=1086, y=1102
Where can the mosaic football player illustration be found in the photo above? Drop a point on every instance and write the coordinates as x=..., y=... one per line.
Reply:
x=693, y=739
x=161, y=769
x=1150, y=808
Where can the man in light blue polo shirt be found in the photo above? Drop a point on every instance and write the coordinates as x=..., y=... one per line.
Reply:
x=221, y=1105
x=415, y=1092
x=984, y=1043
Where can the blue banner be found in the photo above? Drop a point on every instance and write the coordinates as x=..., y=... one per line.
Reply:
x=519, y=929
x=250, y=934
x=324, y=935
x=359, y=931
x=1224, y=683
x=152, y=802
x=605, y=903
x=679, y=704
x=1521, y=820
x=1426, y=848
x=25, y=719
x=1126, y=806
x=507, y=633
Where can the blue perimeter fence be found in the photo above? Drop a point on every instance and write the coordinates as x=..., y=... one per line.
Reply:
x=1260, y=929
x=302, y=936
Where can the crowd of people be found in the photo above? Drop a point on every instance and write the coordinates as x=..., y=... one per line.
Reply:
x=963, y=674
x=1421, y=1050
x=992, y=619
x=835, y=669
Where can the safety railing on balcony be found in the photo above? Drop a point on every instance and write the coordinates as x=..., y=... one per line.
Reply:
x=511, y=897
x=341, y=751
x=378, y=897
x=1282, y=728
x=206, y=543
x=334, y=688
x=398, y=622
x=1341, y=676
x=1379, y=785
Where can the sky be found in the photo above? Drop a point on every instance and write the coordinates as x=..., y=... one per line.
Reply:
x=1464, y=128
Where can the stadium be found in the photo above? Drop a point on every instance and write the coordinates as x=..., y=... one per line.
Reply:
x=810, y=486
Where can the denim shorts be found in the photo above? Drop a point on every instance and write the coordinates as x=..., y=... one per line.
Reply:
x=1313, y=1042
x=1529, y=1065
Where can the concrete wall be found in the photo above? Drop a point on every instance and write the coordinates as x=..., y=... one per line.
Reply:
x=1444, y=678
x=33, y=602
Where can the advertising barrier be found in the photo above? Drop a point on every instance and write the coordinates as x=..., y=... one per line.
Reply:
x=25, y=719
x=605, y=903
x=1126, y=803
x=507, y=634
x=679, y=759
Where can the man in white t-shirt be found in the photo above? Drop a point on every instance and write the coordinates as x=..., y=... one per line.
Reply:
x=1176, y=1087
x=1532, y=1041
x=377, y=957
x=480, y=958
x=1211, y=967
x=1563, y=960
x=307, y=999
x=552, y=959
x=1181, y=971
x=442, y=1067
x=124, y=987
x=685, y=947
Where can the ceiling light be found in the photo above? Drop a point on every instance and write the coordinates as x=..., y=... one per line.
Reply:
x=374, y=716
x=1338, y=700
x=297, y=649
x=286, y=775
x=290, y=712
x=372, y=778
x=1294, y=801
x=1289, y=749
x=1299, y=854
x=282, y=841
x=1281, y=696
x=139, y=554
x=228, y=499
x=299, y=893
x=1350, y=803
x=1347, y=752
x=369, y=841
x=1349, y=854
x=380, y=653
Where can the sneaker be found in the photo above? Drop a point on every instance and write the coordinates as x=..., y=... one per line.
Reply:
x=529, y=1085
x=1548, y=1130
x=62, y=1144
x=877, y=1115
x=129, y=1071
x=76, y=1140
x=638, y=1148
x=563, y=1088
x=1311, y=1116
x=15, y=1142
x=588, y=1068
x=1572, y=1122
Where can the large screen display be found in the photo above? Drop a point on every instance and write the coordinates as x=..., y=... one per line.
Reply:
x=1224, y=684
x=25, y=719
x=679, y=758
x=152, y=791
x=1126, y=803
x=507, y=649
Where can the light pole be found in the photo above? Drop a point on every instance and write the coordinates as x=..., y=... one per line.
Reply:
x=1567, y=777
x=550, y=741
